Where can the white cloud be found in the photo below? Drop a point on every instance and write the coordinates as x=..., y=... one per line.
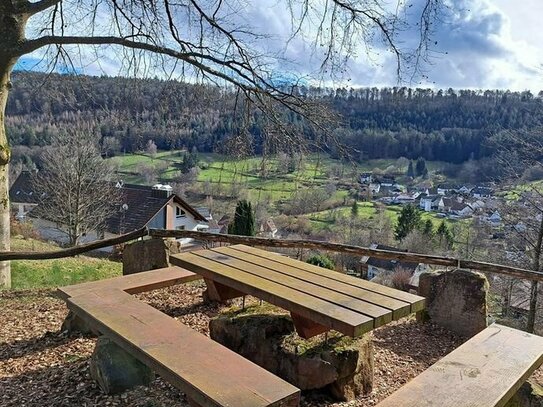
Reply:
x=480, y=44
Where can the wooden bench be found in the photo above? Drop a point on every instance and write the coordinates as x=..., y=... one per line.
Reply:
x=485, y=371
x=318, y=299
x=208, y=373
x=133, y=283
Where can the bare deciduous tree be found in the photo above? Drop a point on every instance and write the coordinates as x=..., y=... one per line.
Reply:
x=208, y=40
x=76, y=192
x=517, y=153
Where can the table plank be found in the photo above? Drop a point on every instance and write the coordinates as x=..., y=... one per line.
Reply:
x=485, y=372
x=343, y=320
x=379, y=314
x=208, y=372
x=399, y=308
x=417, y=302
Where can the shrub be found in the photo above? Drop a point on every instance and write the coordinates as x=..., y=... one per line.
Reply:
x=25, y=230
x=322, y=261
x=400, y=279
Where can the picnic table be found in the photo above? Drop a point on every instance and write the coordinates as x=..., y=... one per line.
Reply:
x=317, y=299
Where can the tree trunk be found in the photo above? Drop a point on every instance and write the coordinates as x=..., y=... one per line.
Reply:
x=536, y=265
x=530, y=323
x=5, y=271
x=12, y=35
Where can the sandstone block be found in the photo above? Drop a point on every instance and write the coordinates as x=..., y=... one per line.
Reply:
x=145, y=255
x=341, y=365
x=455, y=299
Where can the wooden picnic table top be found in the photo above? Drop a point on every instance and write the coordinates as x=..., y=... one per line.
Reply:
x=331, y=299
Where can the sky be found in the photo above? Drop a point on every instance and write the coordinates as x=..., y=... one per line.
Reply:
x=483, y=44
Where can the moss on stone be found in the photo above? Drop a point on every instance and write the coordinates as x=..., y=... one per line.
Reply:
x=255, y=309
x=334, y=342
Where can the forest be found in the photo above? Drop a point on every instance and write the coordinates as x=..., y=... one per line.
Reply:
x=126, y=113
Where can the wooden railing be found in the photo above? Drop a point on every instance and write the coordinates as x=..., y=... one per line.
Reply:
x=281, y=243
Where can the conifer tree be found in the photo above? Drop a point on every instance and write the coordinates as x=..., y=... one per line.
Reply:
x=408, y=221
x=445, y=235
x=428, y=229
x=354, y=209
x=244, y=220
x=410, y=170
x=420, y=167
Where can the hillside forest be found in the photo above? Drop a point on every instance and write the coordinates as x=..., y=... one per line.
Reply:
x=453, y=126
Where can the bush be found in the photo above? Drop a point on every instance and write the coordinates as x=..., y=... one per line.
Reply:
x=322, y=261
x=400, y=279
x=25, y=230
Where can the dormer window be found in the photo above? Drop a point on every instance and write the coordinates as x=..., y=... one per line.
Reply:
x=179, y=213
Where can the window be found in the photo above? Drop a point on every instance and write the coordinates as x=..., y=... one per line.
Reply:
x=179, y=213
x=181, y=227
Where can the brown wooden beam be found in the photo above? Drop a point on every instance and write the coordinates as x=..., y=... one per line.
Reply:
x=74, y=251
x=220, y=292
x=306, y=328
x=354, y=250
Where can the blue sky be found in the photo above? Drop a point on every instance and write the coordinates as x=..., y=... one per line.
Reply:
x=480, y=44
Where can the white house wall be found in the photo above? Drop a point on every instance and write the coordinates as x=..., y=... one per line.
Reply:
x=186, y=222
x=49, y=231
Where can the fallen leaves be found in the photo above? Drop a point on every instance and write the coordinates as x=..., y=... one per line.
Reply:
x=41, y=366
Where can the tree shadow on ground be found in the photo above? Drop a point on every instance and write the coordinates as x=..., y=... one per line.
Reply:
x=70, y=384
x=23, y=347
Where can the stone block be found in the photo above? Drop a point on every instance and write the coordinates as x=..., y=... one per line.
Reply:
x=456, y=300
x=115, y=370
x=341, y=365
x=145, y=255
x=75, y=324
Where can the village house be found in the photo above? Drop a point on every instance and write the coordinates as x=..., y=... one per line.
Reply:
x=444, y=189
x=431, y=203
x=267, y=228
x=386, y=181
x=482, y=192
x=494, y=219
x=406, y=198
x=366, y=178
x=372, y=267
x=457, y=207
x=140, y=206
x=375, y=187
x=464, y=189
x=22, y=197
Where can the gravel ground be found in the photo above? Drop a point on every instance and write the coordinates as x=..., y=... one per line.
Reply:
x=41, y=366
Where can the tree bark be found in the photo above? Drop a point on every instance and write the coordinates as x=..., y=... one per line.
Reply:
x=5, y=271
x=536, y=265
x=12, y=36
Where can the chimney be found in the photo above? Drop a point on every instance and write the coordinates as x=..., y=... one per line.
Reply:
x=161, y=191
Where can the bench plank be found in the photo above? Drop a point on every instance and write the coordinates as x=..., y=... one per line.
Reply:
x=341, y=319
x=417, y=302
x=399, y=308
x=133, y=283
x=209, y=373
x=486, y=371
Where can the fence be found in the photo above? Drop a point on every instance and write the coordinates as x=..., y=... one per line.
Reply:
x=283, y=243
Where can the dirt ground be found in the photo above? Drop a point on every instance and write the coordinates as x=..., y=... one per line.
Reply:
x=41, y=366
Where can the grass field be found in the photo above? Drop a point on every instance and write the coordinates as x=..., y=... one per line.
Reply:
x=27, y=274
x=325, y=220
x=260, y=178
